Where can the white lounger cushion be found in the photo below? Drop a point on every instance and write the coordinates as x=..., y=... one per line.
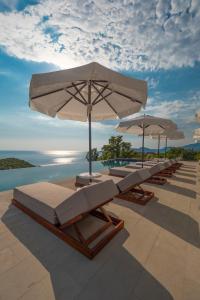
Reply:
x=155, y=169
x=55, y=203
x=42, y=198
x=85, y=200
x=162, y=167
x=144, y=173
x=105, y=177
x=121, y=171
x=129, y=181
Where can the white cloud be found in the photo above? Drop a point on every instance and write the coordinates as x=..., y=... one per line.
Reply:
x=182, y=111
x=120, y=34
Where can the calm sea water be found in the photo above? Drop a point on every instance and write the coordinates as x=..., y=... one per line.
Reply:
x=51, y=165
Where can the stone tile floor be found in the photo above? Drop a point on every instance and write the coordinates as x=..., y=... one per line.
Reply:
x=156, y=256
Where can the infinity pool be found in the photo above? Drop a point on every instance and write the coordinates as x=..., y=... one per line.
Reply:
x=16, y=177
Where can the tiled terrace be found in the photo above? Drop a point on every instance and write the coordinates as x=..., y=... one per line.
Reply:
x=156, y=256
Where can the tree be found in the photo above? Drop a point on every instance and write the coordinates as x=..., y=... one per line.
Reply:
x=116, y=148
x=94, y=155
x=185, y=154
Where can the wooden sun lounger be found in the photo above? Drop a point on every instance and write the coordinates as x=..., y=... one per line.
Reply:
x=136, y=195
x=129, y=187
x=154, y=178
x=44, y=211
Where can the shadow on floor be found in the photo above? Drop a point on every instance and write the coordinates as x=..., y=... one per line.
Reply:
x=174, y=221
x=185, y=180
x=186, y=174
x=112, y=273
x=179, y=190
x=188, y=168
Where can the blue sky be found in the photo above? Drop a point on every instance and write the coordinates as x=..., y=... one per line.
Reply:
x=158, y=41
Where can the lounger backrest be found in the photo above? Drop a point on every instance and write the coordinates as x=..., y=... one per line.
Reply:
x=85, y=200
x=131, y=180
x=162, y=166
x=144, y=173
x=167, y=165
x=154, y=170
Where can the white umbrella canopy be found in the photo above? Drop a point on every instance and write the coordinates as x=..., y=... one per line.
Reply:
x=196, y=134
x=66, y=93
x=90, y=92
x=151, y=125
x=146, y=125
x=169, y=135
x=197, y=116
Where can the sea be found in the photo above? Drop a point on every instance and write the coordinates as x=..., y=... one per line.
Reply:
x=50, y=166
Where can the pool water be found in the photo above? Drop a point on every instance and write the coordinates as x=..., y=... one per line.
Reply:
x=51, y=166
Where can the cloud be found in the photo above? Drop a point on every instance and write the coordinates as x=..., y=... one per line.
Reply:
x=181, y=110
x=121, y=34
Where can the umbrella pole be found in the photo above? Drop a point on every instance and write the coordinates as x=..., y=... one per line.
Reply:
x=165, y=147
x=90, y=129
x=142, y=145
x=158, y=145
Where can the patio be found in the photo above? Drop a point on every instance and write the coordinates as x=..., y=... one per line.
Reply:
x=156, y=255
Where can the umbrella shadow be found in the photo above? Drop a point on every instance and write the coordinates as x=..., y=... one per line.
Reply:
x=174, y=221
x=73, y=276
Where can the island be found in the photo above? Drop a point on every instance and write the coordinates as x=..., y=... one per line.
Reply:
x=14, y=163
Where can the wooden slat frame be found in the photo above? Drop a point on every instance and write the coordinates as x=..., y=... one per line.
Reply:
x=131, y=195
x=81, y=245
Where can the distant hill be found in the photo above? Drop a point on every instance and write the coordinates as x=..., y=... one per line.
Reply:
x=194, y=146
x=14, y=163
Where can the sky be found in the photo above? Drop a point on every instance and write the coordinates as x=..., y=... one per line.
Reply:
x=154, y=40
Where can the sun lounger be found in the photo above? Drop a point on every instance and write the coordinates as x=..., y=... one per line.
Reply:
x=156, y=173
x=175, y=164
x=147, y=163
x=130, y=188
x=63, y=211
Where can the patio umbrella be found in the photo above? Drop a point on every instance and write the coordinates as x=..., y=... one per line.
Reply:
x=196, y=134
x=197, y=116
x=145, y=125
x=168, y=135
x=90, y=92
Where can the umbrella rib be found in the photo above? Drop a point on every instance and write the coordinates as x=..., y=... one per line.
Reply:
x=79, y=92
x=55, y=91
x=99, y=92
x=70, y=99
x=121, y=94
x=111, y=106
x=103, y=98
x=75, y=97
